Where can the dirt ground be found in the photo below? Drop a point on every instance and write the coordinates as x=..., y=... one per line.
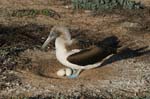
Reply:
x=27, y=71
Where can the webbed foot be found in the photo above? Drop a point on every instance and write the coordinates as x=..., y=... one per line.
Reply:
x=75, y=73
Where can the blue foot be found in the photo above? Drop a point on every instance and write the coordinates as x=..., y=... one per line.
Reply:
x=73, y=76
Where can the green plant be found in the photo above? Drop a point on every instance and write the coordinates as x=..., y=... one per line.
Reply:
x=32, y=12
x=105, y=4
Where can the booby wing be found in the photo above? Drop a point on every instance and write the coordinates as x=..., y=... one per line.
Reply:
x=97, y=53
x=80, y=44
x=92, y=52
x=90, y=56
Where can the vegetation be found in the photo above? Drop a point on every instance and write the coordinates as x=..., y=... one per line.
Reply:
x=33, y=12
x=65, y=97
x=105, y=4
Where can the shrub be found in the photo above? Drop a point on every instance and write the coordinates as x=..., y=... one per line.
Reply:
x=105, y=4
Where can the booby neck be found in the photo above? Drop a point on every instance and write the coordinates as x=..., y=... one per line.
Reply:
x=61, y=44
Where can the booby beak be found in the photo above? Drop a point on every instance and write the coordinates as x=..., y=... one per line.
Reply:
x=50, y=38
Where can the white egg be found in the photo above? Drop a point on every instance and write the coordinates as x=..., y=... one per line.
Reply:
x=61, y=72
x=68, y=71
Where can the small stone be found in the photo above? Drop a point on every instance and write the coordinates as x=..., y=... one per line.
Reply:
x=130, y=25
x=68, y=6
x=43, y=38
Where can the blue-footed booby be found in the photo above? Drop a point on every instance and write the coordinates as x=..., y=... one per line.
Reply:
x=78, y=59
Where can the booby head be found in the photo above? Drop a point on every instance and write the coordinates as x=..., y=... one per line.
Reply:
x=57, y=31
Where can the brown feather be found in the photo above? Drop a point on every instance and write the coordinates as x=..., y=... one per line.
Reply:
x=95, y=52
x=90, y=56
x=81, y=44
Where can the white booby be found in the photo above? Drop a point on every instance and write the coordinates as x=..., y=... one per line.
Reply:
x=78, y=59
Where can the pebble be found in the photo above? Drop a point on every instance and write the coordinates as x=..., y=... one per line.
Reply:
x=131, y=25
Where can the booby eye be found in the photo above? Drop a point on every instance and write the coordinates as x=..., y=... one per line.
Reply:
x=53, y=35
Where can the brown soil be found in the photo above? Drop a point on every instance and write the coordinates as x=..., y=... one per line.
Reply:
x=33, y=71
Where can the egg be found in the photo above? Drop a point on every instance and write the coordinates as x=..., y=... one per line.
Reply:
x=61, y=72
x=68, y=71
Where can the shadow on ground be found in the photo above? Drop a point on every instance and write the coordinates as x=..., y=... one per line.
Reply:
x=23, y=35
x=128, y=53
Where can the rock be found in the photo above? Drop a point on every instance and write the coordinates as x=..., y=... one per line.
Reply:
x=130, y=25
